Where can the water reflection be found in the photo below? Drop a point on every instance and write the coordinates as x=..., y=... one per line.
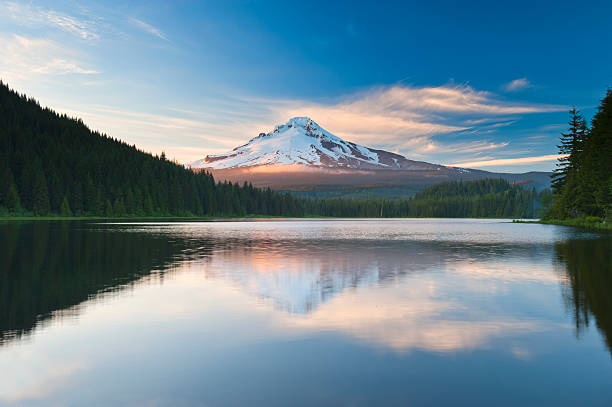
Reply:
x=298, y=276
x=313, y=310
x=49, y=268
x=588, y=293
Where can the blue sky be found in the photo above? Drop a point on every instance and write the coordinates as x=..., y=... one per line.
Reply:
x=468, y=84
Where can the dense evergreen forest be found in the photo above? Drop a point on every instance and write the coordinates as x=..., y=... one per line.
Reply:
x=52, y=164
x=582, y=182
x=487, y=198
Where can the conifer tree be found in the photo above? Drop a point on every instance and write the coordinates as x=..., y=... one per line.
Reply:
x=119, y=207
x=597, y=160
x=108, y=209
x=571, y=147
x=583, y=182
x=148, y=205
x=40, y=204
x=65, y=207
x=11, y=201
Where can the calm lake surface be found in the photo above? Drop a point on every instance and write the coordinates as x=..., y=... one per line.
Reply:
x=305, y=312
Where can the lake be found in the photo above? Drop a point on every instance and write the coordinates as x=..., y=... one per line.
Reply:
x=305, y=312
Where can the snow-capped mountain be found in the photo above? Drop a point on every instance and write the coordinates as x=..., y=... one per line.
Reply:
x=301, y=155
x=302, y=141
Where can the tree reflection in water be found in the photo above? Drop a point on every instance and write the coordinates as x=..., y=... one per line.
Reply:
x=48, y=268
x=587, y=264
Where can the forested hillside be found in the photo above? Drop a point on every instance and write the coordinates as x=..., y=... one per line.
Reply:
x=582, y=182
x=486, y=198
x=52, y=164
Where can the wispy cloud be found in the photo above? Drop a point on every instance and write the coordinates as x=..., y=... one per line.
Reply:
x=460, y=99
x=62, y=66
x=148, y=28
x=471, y=147
x=553, y=127
x=30, y=15
x=517, y=84
x=509, y=161
x=181, y=138
x=23, y=58
x=406, y=120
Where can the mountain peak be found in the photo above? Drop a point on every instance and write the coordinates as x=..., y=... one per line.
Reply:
x=302, y=141
x=301, y=121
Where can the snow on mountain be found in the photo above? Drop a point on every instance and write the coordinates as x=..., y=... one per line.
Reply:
x=302, y=141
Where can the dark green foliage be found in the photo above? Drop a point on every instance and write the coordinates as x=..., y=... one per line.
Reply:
x=572, y=144
x=12, y=202
x=40, y=195
x=47, y=160
x=9, y=197
x=65, y=207
x=483, y=198
x=359, y=193
x=588, y=272
x=108, y=209
x=597, y=160
x=582, y=183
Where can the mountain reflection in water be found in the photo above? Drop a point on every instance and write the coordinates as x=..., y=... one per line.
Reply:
x=446, y=300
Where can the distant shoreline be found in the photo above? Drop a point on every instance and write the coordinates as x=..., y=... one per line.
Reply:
x=136, y=218
x=223, y=218
x=592, y=223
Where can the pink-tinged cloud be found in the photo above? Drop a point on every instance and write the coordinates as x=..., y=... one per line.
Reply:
x=404, y=118
x=25, y=59
x=401, y=119
x=510, y=161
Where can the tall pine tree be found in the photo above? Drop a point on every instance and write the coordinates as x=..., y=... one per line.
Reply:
x=570, y=147
x=597, y=160
x=582, y=183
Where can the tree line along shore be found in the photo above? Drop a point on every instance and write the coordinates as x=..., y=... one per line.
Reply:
x=582, y=182
x=53, y=166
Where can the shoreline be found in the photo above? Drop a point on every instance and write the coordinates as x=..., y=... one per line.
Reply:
x=596, y=224
x=222, y=218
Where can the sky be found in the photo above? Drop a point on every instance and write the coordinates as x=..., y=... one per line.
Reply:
x=479, y=84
